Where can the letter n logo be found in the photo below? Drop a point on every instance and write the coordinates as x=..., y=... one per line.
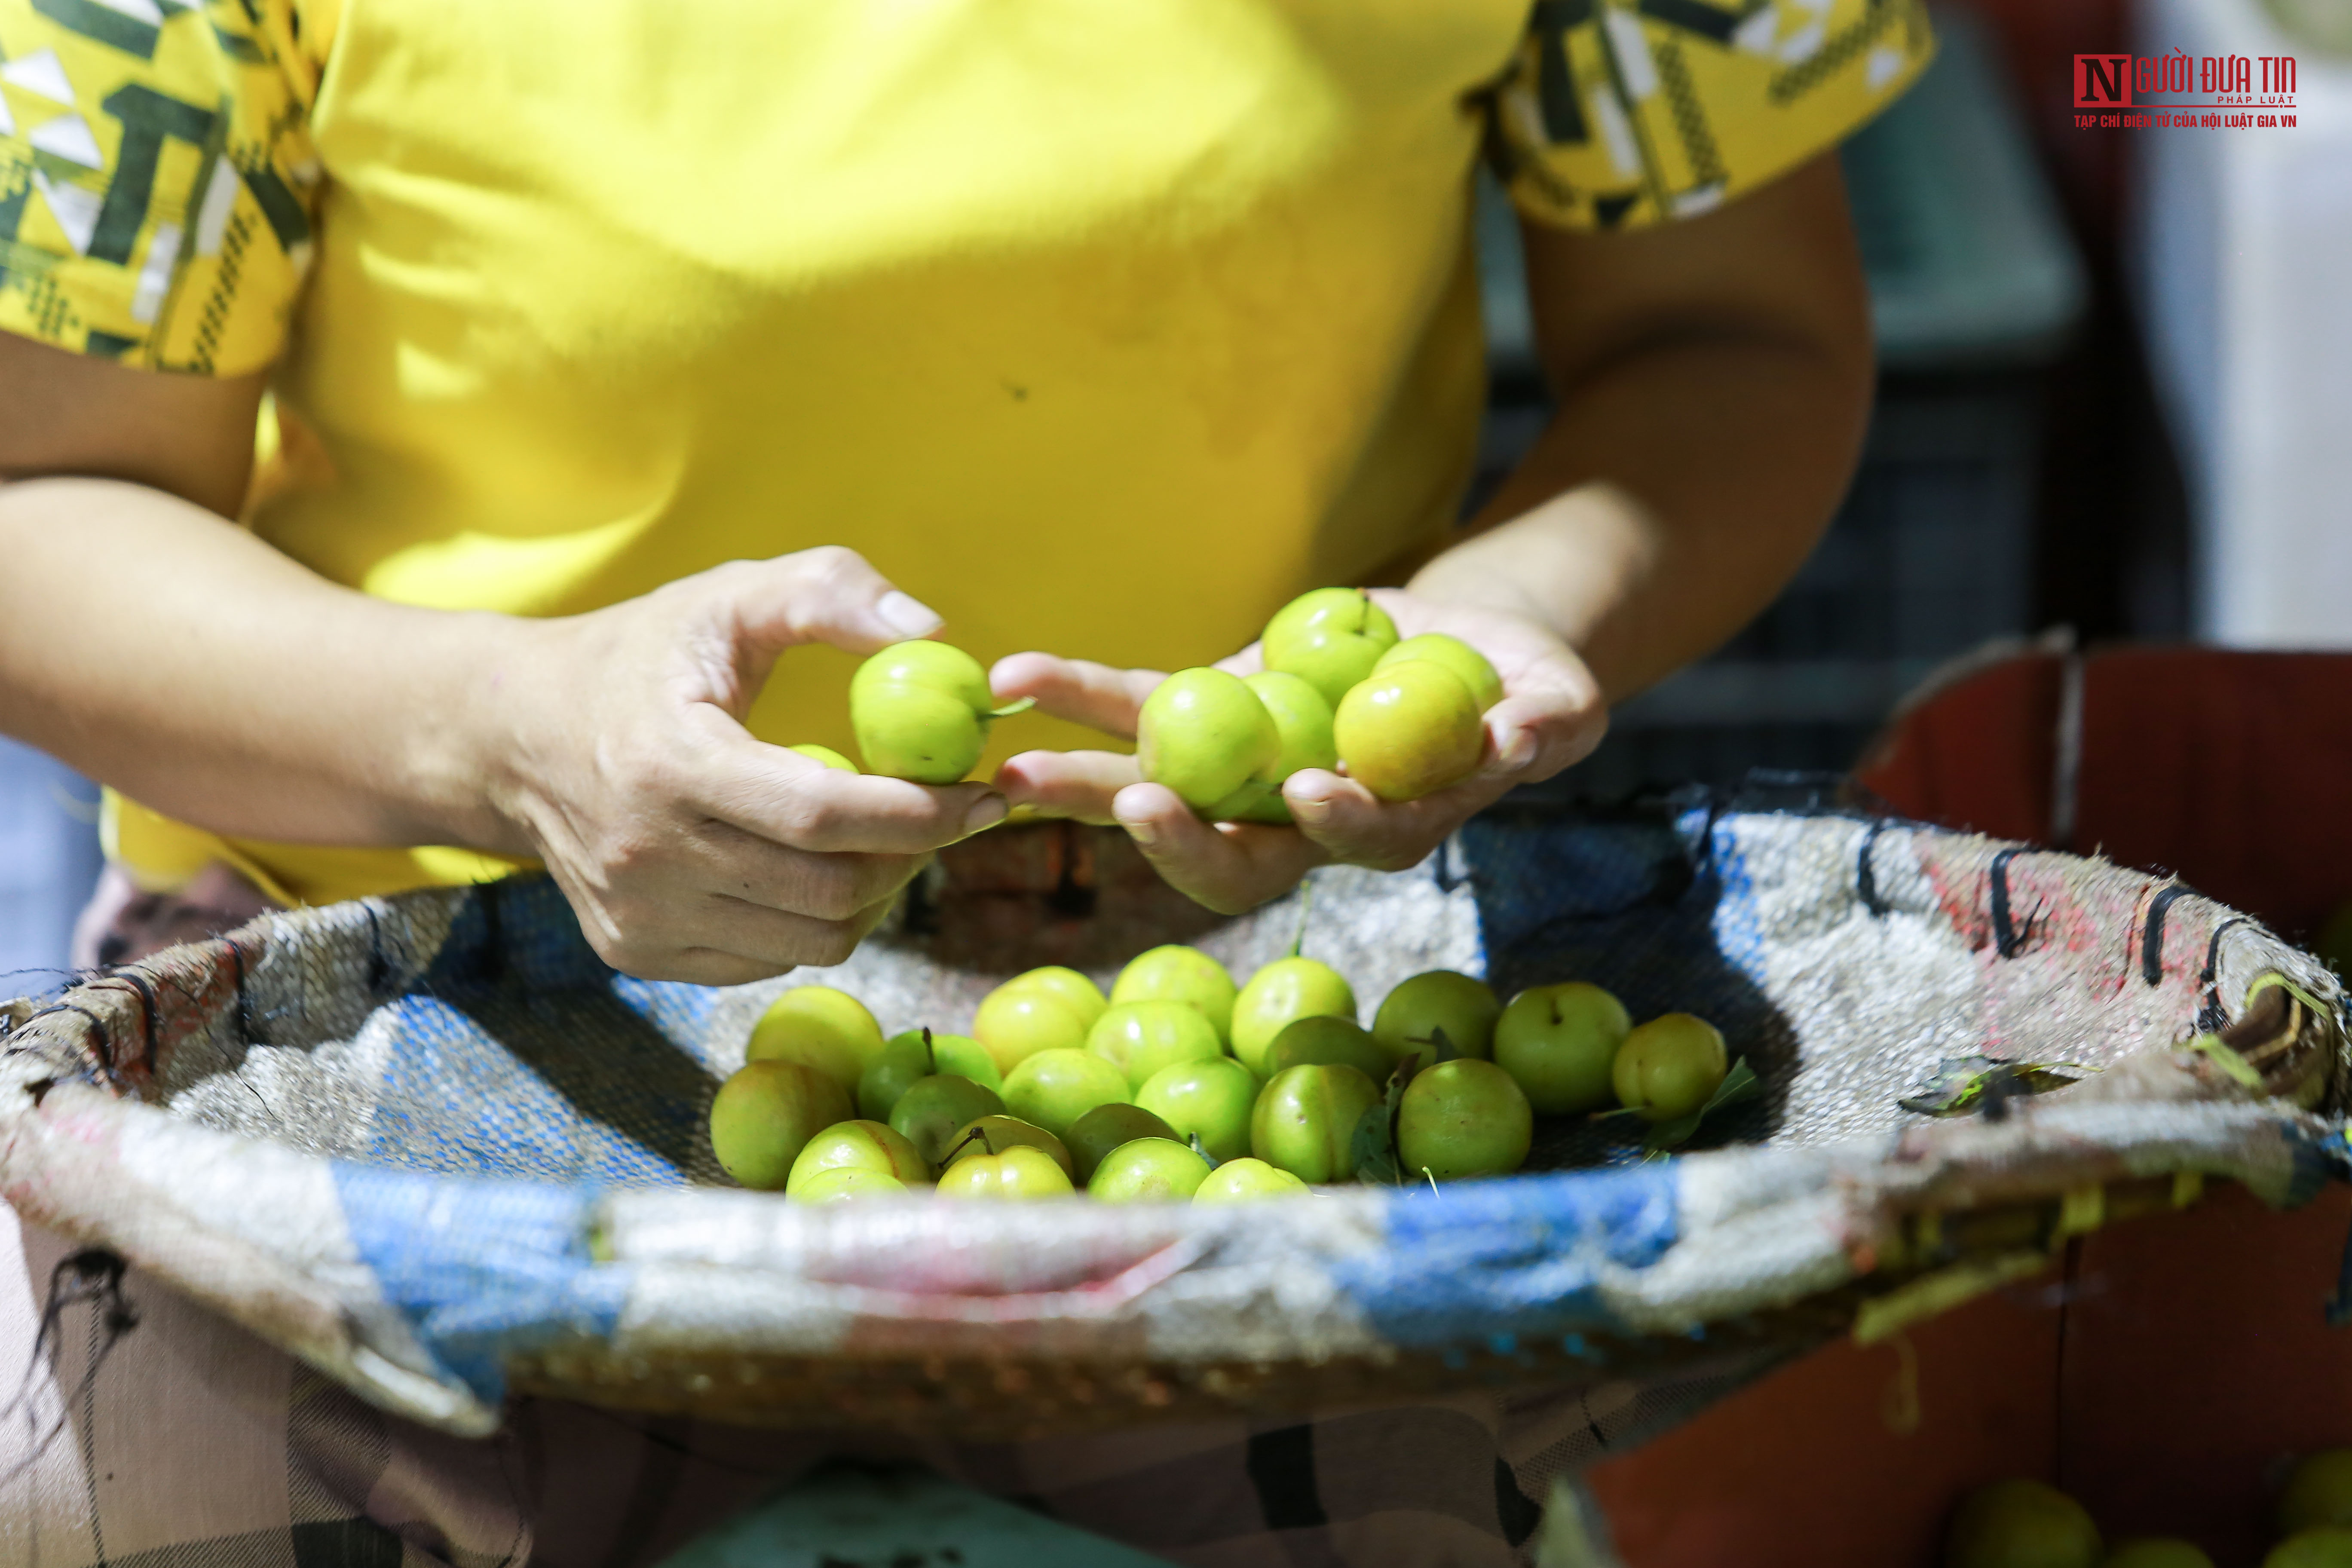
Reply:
x=2103, y=81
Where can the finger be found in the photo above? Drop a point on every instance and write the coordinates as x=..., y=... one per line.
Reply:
x=1533, y=734
x=776, y=793
x=1247, y=662
x=1079, y=784
x=722, y=943
x=829, y=594
x=1228, y=866
x=1350, y=824
x=743, y=866
x=1094, y=695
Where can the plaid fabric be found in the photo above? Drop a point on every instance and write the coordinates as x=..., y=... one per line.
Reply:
x=187, y=1443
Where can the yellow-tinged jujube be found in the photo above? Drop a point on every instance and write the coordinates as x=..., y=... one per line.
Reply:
x=1204, y=734
x=1409, y=730
x=1464, y=661
x=921, y=711
x=820, y=1028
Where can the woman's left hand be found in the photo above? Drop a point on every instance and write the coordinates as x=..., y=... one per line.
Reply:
x=1551, y=715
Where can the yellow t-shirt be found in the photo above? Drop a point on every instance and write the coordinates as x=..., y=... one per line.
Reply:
x=1103, y=329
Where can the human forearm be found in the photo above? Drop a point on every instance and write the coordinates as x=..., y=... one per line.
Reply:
x=156, y=646
x=1673, y=495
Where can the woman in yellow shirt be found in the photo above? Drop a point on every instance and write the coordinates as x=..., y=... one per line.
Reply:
x=634, y=364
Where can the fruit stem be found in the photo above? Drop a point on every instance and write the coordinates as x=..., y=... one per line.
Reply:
x=1432, y=1180
x=947, y=1157
x=1010, y=709
x=930, y=1057
x=1306, y=908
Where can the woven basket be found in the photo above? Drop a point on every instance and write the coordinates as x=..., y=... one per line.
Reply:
x=435, y=1148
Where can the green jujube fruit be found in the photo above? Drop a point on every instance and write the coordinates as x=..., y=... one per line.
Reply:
x=995, y=1134
x=1204, y=734
x=2021, y=1524
x=915, y=1054
x=1147, y=1169
x=1330, y=638
x=1302, y=726
x=1246, y=1181
x=866, y=1145
x=1283, y=991
x=1409, y=730
x=1179, y=973
x=1669, y=1067
x=826, y=755
x=1139, y=1039
x=841, y=1184
x=1305, y=1121
x=765, y=1115
x=1320, y=1040
x=1209, y=1101
x=1015, y=1022
x=2322, y=1546
x=934, y=1108
x=820, y=1028
x=1019, y=1173
x=1067, y=987
x=1463, y=1118
x=2318, y=1492
x=1441, y=999
x=1104, y=1129
x=1054, y=1089
x=1560, y=1042
x=1468, y=665
x=921, y=711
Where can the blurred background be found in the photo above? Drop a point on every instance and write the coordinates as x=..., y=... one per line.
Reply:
x=2116, y=384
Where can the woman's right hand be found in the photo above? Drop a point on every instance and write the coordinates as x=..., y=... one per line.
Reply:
x=690, y=850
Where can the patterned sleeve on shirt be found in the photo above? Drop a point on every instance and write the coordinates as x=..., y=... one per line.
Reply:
x=156, y=178
x=1619, y=113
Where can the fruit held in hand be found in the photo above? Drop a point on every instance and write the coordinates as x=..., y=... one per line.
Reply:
x=2322, y=1546
x=1015, y=1022
x=1018, y=1172
x=1463, y=1118
x=764, y=1116
x=1324, y=1041
x=934, y=1108
x=1330, y=638
x=1209, y=1101
x=1669, y=1067
x=921, y=711
x=1280, y=994
x=1409, y=731
x=1204, y=734
x=1141, y=1037
x=1302, y=723
x=1468, y=665
x=995, y=1134
x=1246, y=1181
x=1179, y=973
x=1105, y=1127
x=1054, y=1089
x=2318, y=1492
x=1411, y=1015
x=1305, y=1121
x=2151, y=1551
x=1067, y=987
x=915, y=1054
x=865, y=1145
x=826, y=755
x=1560, y=1042
x=842, y=1183
x=2021, y=1524
x=820, y=1027
x=1147, y=1171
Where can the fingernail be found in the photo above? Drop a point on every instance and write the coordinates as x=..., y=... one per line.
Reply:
x=907, y=615
x=987, y=814
x=1312, y=811
x=1143, y=832
x=1516, y=753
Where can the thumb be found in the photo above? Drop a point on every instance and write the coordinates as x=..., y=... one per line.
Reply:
x=829, y=594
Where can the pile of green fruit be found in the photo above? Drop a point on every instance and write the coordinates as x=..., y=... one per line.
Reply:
x=2026, y=1524
x=1181, y=1084
x=1339, y=690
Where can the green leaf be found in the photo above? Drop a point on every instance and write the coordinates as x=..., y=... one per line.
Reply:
x=1960, y=1083
x=1375, y=1150
x=1739, y=1084
x=1444, y=1050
